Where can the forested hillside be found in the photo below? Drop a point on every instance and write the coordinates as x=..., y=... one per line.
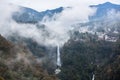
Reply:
x=18, y=63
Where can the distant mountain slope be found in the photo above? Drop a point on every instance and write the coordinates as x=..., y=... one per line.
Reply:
x=103, y=9
x=105, y=25
x=28, y=15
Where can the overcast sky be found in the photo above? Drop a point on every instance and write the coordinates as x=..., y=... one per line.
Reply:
x=41, y=5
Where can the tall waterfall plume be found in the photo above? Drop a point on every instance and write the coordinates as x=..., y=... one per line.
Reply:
x=93, y=77
x=58, y=56
x=57, y=71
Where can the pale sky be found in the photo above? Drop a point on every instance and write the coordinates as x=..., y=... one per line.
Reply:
x=41, y=5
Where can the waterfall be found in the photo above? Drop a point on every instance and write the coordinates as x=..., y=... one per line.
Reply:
x=93, y=77
x=58, y=56
x=57, y=71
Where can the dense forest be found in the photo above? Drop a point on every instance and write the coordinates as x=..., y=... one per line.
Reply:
x=83, y=58
x=18, y=63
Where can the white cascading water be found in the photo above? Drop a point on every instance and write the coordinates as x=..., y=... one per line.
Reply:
x=58, y=56
x=93, y=77
x=57, y=71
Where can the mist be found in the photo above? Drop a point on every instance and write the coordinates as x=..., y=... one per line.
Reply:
x=55, y=31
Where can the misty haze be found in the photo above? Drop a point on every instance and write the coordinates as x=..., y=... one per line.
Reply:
x=60, y=40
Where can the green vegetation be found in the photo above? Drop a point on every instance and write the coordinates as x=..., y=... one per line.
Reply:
x=82, y=56
x=17, y=63
x=111, y=70
x=86, y=55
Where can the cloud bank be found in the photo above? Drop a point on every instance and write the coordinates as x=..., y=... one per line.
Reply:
x=55, y=31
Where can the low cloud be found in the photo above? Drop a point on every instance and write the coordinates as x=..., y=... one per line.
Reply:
x=54, y=32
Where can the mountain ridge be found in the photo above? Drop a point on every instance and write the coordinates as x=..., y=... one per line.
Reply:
x=28, y=15
x=103, y=10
